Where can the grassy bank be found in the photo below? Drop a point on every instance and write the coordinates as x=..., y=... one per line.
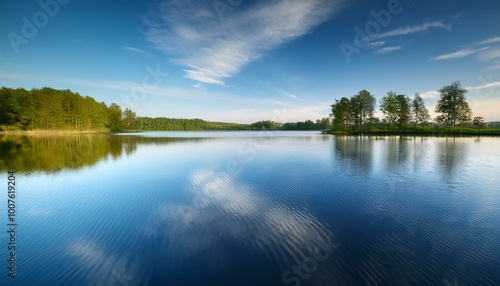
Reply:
x=50, y=132
x=425, y=131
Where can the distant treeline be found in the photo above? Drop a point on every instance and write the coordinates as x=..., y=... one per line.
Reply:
x=493, y=124
x=176, y=124
x=320, y=124
x=48, y=108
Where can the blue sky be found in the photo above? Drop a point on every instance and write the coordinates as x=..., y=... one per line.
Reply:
x=244, y=61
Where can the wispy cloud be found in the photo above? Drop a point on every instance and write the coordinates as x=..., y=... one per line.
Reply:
x=484, y=50
x=138, y=51
x=489, y=41
x=455, y=55
x=489, y=86
x=412, y=29
x=288, y=94
x=490, y=54
x=376, y=44
x=213, y=50
x=386, y=50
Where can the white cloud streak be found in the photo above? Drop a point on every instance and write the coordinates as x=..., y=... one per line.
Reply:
x=489, y=41
x=288, y=94
x=376, y=44
x=386, y=50
x=213, y=49
x=485, y=53
x=440, y=24
x=455, y=55
x=489, y=86
x=461, y=54
x=490, y=54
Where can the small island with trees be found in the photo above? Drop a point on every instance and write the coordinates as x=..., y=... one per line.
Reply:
x=48, y=110
x=409, y=116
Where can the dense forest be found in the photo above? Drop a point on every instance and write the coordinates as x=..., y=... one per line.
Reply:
x=52, y=109
x=47, y=108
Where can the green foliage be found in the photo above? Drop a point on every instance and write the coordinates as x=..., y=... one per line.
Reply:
x=419, y=111
x=389, y=106
x=404, y=110
x=265, y=125
x=320, y=124
x=115, y=118
x=323, y=123
x=396, y=108
x=479, y=122
x=399, y=111
x=362, y=106
x=453, y=105
x=356, y=112
x=175, y=124
x=48, y=108
x=341, y=113
x=129, y=119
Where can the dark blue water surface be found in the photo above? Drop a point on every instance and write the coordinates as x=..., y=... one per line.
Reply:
x=247, y=208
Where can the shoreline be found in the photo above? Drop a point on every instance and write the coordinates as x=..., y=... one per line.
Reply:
x=426, y=133
x=411, y=133
x=52, y=132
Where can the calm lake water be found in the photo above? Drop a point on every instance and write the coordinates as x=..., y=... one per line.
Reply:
x=248, y=208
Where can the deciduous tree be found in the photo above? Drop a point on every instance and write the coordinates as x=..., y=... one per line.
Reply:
x=453, y=105
x=389, y=107
x=362, y=109
x=479, y=122
x=341, y=113
x=420, y=113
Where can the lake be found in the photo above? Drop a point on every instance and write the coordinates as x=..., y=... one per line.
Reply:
x=251, y=208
